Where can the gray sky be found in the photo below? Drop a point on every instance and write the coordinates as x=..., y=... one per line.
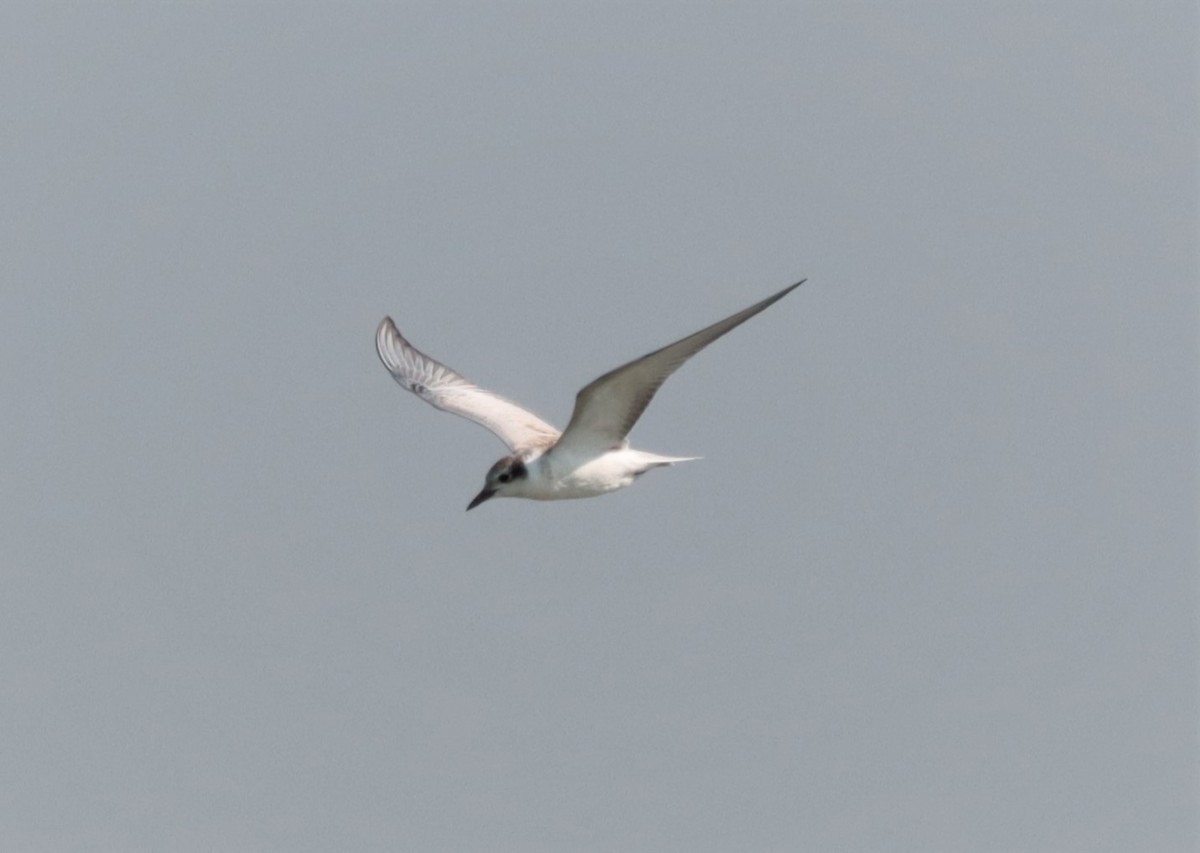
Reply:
x=932, y=588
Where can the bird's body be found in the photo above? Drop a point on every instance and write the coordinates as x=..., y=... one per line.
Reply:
x=592, y=455
x=562, y=476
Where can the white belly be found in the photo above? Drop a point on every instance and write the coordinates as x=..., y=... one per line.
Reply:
x=559, y=478
x=597, y=476
x=564, y=478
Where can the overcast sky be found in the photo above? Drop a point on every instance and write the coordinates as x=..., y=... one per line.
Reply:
x=932, y=587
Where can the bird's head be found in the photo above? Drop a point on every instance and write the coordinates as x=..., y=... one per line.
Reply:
x=504, y=478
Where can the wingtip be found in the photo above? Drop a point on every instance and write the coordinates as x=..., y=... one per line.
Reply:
x=785, y=291
x=386, y=335
x=772, y=299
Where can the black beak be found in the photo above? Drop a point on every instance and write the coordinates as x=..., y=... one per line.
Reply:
x=480, y=498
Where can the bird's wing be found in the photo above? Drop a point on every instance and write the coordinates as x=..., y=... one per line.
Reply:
x=607, y=408
x=443, y=388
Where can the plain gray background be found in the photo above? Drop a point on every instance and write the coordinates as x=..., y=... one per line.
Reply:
x=931, y=589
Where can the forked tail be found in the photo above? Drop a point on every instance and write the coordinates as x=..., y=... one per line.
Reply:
x=654, y=460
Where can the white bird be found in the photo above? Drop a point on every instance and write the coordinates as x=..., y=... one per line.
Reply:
x=592, y=455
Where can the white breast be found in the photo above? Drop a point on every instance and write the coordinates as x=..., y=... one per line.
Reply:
x=561, y=477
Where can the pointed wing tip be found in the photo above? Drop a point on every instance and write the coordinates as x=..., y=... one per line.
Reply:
x=387, y=340
x=771, y=300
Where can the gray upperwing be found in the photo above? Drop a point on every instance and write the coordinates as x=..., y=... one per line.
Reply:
x=607, y=408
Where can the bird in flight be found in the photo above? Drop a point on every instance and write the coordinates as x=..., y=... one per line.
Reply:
x=592, y=455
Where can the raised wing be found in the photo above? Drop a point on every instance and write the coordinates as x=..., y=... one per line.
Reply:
x=607, y=408
x=443, y=388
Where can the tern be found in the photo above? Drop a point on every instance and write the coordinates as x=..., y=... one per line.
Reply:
x=592, y=455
